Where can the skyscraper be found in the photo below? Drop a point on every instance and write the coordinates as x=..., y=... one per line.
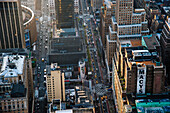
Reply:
x=11, y=25
x=126, y=24
x=65, y=13
x=129, y=22
x=165, y=47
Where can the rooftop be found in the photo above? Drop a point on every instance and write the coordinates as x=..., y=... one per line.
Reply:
x=64, y=32
x=141, y=55
x=131, y=43
x=8, y=90
x=66, y=45
x=12, y=65
x=150, y=41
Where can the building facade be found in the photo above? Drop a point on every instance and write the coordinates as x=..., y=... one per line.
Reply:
x=29, y=23
x=16, y=87
x=51, y=4
x=64, y=13
x=165, y=47
x=55, y=84
x=137, y=73
x=11, y=25
x=29, y=3
x=127, y=23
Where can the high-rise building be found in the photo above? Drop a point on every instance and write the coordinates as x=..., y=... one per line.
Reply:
x=55, y=84
x=107, y=11
x=64, y=13
x=11, y=25
x=126, y=23
x=129, y=22
x=165, y=47
x=51, y=6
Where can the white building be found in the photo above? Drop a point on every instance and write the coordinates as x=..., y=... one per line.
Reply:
x=51, y=6
x=76, y=6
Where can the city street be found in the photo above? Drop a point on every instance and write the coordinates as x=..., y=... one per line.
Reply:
x=42, y=46
x=97, y=63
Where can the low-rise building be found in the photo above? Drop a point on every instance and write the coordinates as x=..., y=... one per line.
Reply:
x=66, y=50
x=16, y=84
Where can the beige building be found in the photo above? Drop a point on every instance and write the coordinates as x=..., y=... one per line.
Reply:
x=126, y=23
x=55, y=85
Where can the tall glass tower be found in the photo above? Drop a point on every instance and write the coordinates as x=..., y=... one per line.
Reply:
x=64, y=13
x=11, y=25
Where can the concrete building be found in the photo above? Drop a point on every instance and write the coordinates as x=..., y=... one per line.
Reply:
x=76, y=6
x=126, y=24
x=96, y=4
x=64, y=13
x=137, y=73
x=29, y=26
x=29, y=3
x=55, y=84
x=107, y=11
x=66, y=50
x=38, y=7
x=16, y=84
x=51, y=4
x=11, y=25
x=129, y=23
x=151, y=42
x=165, y=47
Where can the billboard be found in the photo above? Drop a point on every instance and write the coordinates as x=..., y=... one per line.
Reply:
x=141, y=80
x=27, y=38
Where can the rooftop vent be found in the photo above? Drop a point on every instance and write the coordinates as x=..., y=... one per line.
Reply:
x=16, y=58
x=12, y=65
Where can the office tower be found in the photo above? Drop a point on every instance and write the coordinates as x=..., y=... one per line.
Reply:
x=165, y=47
x=129, y=23
x=126, y=24
x=64, y=13
x=55, y=84
x=51, y=6
x=16, y=84
x=107, y=11
x=11, y=25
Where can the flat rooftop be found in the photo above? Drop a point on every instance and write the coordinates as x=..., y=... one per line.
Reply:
x=131, y=43
x=12, y=65
x=150, y=41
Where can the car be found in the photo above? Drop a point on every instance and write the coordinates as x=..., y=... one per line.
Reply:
x=45, y=70
x=42, y=59
x=45, y=73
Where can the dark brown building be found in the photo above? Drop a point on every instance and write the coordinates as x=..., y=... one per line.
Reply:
x=165, y=47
